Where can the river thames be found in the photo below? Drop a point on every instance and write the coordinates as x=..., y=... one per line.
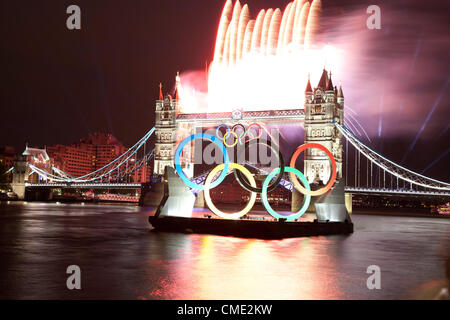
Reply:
x=121, y=258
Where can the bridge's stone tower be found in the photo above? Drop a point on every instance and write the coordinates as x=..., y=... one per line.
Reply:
x=165, y=131
x=324, y=105
x=20, y=176
x=22, y=173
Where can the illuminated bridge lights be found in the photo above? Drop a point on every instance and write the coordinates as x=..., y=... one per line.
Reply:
x=117, y=170
x=95, y=179
x=84, y=185
x=294, y=115
x=392, y=168
x=396, y=191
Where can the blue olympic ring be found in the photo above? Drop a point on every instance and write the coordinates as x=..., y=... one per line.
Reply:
x=218, y=127
x=178, y=155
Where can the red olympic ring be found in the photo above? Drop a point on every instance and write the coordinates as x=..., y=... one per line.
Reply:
x=257, y=125
x=293, y=178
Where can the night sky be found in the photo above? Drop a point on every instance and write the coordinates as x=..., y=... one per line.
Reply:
x=59, y=84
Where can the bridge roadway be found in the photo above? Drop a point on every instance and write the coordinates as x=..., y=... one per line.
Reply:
x=404, y=192
x=352, y=190
x=269, y=117
x=85, y=185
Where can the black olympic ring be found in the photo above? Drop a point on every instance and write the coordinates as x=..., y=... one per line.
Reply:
x=238, y=124
x=244, y=184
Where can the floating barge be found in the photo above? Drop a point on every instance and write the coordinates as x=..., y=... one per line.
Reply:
x=249, y=228
x=332, y=216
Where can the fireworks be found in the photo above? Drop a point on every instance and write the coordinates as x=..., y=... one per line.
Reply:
x=271, y=32
x=263, y=63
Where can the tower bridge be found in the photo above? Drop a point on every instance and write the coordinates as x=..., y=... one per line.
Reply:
x=322, y=118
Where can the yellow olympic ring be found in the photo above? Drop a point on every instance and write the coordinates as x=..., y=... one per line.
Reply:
x=213, y=208
x=235, y=140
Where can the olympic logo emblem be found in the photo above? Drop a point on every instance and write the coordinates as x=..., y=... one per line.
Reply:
x=245, y=132
x=249, y=184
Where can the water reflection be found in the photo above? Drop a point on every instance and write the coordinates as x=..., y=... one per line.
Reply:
x=121, y=258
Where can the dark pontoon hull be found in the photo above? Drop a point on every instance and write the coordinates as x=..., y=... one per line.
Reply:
x=249, y=228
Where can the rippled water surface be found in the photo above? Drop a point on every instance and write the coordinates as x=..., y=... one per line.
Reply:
x=120, y=258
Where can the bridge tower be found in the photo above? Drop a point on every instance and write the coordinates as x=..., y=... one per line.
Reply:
x=165, y=131
x=324, y=105
x=22, y=173
x=19, y=176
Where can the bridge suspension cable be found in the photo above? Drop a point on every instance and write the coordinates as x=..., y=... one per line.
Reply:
x=111, y=171
x=389, y=166
x=9, y=170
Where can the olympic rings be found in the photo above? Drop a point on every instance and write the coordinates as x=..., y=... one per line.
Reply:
x=235, y=140
x=242, y=134
x=293, y=178
x=257, y=125
x=306, y=199
x=245, y=184
x=213, y=208
x=249, y=183
x=218, y=127
x=180, y=171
